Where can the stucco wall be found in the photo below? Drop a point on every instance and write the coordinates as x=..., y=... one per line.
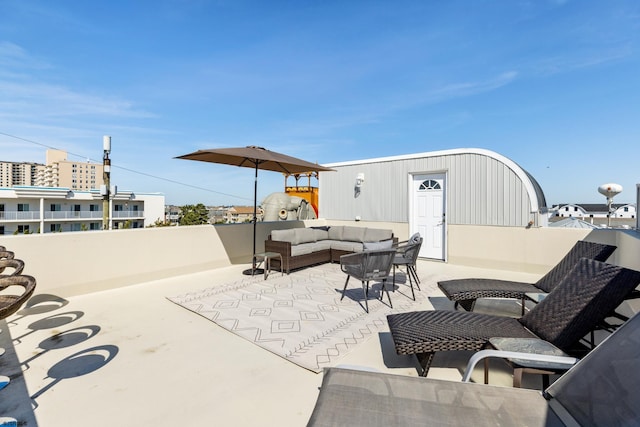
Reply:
x=68, y=264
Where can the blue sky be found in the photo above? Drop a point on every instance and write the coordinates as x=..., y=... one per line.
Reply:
x=553, y=85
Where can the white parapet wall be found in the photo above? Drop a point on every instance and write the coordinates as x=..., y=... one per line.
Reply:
x=68, y=264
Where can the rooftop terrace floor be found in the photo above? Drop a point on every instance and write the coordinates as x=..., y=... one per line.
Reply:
x=168, y=366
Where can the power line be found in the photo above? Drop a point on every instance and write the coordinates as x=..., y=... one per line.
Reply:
x=127, y=169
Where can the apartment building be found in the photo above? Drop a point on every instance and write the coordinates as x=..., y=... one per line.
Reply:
x=57, y=172
x=61, y=172
x=21, y=173
x=27, y=210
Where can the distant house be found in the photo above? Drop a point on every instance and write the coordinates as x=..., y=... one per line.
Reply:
x=591, y=210
x=236, y=214
x=172, y=214
x=217, y=214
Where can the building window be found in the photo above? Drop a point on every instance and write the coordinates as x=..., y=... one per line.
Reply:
x=55, y=228
x=94, y=226
x=1, y=229
x=23, y=229
x=55, y=207
x=94, y=208
x=118, y=208
x=626, y=208
x=575, y=209
x=23, y=207
x=430, y=184
x=566, y=209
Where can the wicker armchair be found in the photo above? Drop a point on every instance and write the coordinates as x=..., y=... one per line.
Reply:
x=465, y=292
x=366, y=266
x=589, y=292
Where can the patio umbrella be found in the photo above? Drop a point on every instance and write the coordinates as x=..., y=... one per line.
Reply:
x=256, y=158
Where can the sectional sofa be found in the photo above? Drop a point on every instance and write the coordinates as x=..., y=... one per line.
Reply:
x=302, y=247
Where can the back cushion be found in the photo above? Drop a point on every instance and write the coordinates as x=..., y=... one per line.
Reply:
x=353, y=234
x=335, y=232
x=284, y=236
x=304, y=235
x=320, y=234
x=377, y=235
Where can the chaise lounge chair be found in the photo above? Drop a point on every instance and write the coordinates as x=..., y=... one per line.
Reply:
x=465, y=292
x=600, y=390
x=587, y=294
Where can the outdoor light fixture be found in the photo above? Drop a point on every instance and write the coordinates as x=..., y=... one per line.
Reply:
x=359, y=180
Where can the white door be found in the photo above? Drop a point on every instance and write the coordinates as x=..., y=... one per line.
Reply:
x=428, y=216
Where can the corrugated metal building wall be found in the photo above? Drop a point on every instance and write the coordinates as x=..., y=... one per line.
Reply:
x=481, y=188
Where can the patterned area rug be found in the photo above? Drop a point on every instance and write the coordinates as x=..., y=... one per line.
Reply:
x=300, y=316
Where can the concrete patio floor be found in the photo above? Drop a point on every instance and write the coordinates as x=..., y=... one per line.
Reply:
x=129, y=356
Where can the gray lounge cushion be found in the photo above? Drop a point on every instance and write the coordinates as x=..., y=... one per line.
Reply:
x=346, y=246
x=303, y=249
x=323, y=245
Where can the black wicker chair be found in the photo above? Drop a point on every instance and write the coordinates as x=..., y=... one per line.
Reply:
x=407, y=256
x=465, y=292
x=587, y=294
x=366, y=266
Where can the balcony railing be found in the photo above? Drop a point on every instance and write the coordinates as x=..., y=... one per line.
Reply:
x=20, y=216
x=73, y=215
x=128, y=214
x=66, y=215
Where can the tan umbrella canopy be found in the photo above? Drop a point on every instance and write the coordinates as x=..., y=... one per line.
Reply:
x=256, y=158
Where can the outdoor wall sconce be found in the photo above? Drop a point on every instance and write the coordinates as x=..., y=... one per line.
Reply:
x=359, y=180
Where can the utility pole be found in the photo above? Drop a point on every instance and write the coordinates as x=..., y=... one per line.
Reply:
x=106, y=175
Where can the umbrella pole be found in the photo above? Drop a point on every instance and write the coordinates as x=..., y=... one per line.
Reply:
x=254, y=270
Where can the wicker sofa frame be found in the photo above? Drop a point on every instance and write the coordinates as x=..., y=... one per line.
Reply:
x=578, y=304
